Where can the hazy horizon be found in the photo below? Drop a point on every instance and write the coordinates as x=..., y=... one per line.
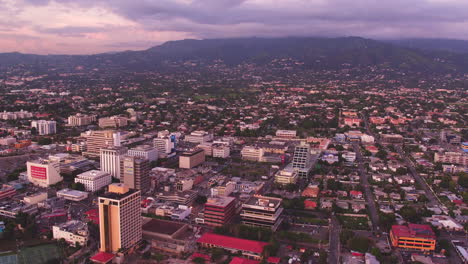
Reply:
x=99, y=26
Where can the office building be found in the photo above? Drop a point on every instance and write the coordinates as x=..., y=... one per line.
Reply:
x=81, y=120
x=221, y=151
x=73, y=232
x=113, y=122
x=7, y=191
x=262, y=211
x=301, y=159
x=135, y=173
x=43, y=172
x=192, y=158
x=286, y=176
x=164, y=145
x=15, y=115
x=44, y=127
x=144, y=151
x=199, y=137
x=168, y=236
x=94, y=180
x=458, y=158
x=252, y=153
x=286, y=133
x=207, y=147
x=95, y=140
x=72, y=195
x=111, y=159
x=413, y=236
x=219, y=211
x=119, y=218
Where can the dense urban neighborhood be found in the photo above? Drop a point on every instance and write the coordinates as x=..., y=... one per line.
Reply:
x=209, y=162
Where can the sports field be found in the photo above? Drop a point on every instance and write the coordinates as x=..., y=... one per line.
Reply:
x=38, y=254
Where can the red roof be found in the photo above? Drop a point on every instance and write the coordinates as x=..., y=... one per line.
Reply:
x=237, y=260
x=93, y=215
x=232, y=243
x=355, y=193
x=413, y=230
x=102, y=257
x=273, y=260
x=310, y=204
x=200, y=255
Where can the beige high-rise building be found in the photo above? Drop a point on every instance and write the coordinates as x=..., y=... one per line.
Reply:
x=120, y=223
x=134, y=172
x=95, y=140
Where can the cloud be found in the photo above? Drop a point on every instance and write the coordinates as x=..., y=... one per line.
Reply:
x=134, y=24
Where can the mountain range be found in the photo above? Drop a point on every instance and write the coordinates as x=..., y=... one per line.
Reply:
x=432, y=55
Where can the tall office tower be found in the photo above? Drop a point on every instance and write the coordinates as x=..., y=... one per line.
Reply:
x=144, y=151
x=95, y=140
x=135, y=173
x=110, y=160
x=301, y=159
x=120, y=223
x=81, y=120
x=44, y=127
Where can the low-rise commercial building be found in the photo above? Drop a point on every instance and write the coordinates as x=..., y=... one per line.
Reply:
x=74, y=232
x=262, y=211
x=249, y=248
x=413, y=236
x=190, y=159
x=94, y=180
x=72, y=195
x=168, y=236
x=219, y=211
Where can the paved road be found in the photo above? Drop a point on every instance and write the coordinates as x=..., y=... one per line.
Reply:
x=334, y=241
x=409, y=164
x=373, y=212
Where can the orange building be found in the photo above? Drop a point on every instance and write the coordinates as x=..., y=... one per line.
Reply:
x=413, y=236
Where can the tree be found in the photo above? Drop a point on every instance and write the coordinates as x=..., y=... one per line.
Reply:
x=201, y=199
x=78, y=186
x=401, y=171
x=359, y=243
x=346, y=235
x=44, y=141
x=198, y=260
x=463, y=180
x=381, y=154
x=410, y=214
x=217, y=254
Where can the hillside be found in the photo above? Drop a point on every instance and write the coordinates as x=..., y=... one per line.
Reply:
x=314, y=53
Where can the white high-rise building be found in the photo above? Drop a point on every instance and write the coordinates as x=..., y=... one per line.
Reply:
x=110, y=160
x=144, y=151
x=44, y=127
x=94, y=180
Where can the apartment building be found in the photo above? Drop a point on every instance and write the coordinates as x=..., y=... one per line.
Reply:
x=81, y=120
x=44, y=127
x=252, y=153
x=111, y=160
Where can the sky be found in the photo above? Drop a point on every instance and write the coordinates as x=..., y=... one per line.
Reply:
x=96, y=26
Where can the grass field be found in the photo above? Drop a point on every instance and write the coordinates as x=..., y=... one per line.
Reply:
x=38, y=254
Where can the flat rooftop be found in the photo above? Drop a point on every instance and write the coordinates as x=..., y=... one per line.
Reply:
x=220, y=201
x=162, y=226
x=264, y=201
